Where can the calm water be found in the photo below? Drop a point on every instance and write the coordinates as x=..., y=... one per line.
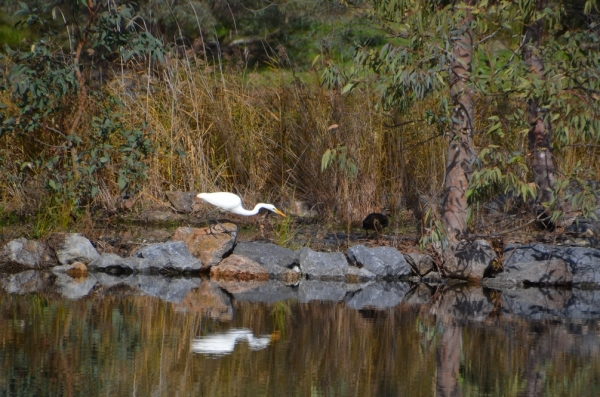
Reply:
x=131, y=340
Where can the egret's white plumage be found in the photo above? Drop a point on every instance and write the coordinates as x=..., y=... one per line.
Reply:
x=233, y=203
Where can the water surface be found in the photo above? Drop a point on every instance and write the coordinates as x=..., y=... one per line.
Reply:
x=121, y=340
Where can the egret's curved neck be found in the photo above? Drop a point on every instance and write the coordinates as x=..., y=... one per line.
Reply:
x=243, y=211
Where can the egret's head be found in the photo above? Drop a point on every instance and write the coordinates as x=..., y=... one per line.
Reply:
x=271, y=207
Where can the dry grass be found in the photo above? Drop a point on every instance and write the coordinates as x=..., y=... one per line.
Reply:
x=263, y=135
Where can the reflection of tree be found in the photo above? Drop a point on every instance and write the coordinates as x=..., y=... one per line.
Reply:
x=448, y=362
x=448, y=341
x=453, y=308
x=534, y=375
x=547, y=343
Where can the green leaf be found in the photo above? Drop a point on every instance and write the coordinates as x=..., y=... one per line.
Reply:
x=325, y=159
x=315, y=59
x=494, y=128
x=122, y=181
x=348, y=87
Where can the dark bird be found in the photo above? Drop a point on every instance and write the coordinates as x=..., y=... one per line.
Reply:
x=376, y=221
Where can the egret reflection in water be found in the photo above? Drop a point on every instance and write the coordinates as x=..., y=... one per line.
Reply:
x=221, y=344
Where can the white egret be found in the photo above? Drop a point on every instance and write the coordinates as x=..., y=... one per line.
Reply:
x=233, y=203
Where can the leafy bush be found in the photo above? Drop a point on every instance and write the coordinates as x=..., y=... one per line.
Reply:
x=70, y=130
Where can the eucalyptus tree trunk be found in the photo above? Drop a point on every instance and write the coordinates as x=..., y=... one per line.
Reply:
x=460, y=154
x=541, y=159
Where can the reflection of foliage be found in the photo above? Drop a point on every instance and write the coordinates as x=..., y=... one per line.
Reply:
x=125, y=340
x=281, y=314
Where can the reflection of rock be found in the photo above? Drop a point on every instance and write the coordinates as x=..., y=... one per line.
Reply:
x=237, y=267
x=74, y=288
x=382, y=261
x=77, y=269
x=221, y=344
x=109, y=280
x=237, y=287
x=317, y=290
x=270, y=292
x=26, y=254
x=468, y=259
x=461, y=303
x=378, y=295
x=418, y=295
x=209, y=248
x=535, y=303
x=168, y=289
x=291, y=276
x=433, y=278
x=584, y=304
x=551, y=272
x=26, y=282
x=209, y=300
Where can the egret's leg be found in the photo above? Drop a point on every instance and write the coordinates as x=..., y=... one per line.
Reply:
x=224, y=229
x=217, y=210
x=208, y=220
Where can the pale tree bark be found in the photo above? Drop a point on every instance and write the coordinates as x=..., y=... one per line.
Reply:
x=82, y=102
x=541, y=159
x=460, y=154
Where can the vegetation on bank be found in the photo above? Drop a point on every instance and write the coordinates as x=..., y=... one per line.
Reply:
x=111, y=101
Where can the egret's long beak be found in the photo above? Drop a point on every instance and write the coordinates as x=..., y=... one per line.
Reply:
x=279, y=212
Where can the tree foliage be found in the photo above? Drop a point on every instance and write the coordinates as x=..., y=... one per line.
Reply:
x=415, y=62
x=72, y=133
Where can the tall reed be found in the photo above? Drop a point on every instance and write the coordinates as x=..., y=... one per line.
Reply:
x=262, y=135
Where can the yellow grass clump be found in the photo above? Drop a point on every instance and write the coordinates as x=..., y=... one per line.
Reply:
x=263, y=136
